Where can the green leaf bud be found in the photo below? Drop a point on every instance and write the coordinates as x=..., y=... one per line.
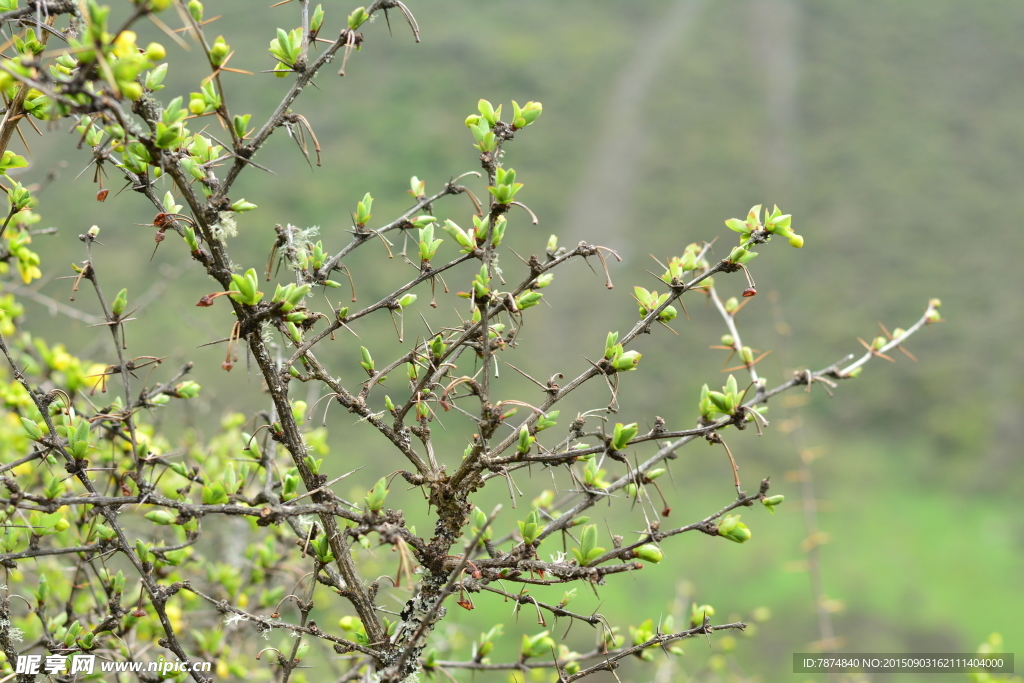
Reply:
x=732, y=528
x=367, y=360
x=623, y=434
x=478, y=521
x=190, y=238
x=627, y=361
x=467, y=242
x=649, y=552
x=488, y=112
x=214, y=494
x=532, y=528
x=524, y=116
x=698, y=612
x=720, y=401
x=241, y=124
x=187, y=389
x=376, y=496
x=155, y=52
x=357, y=18
x=219, y=51
x=771, y=502
x=363, y=210
x=242, y=206
x=547, y=421
x=610, y=343
x=539, y=645
x=544, y=280
x=317, y=20
x=528, y=299
x=438, y=347
x=588, y=550
x=161, y=517
x=737, y=225
x=32, y=429
x=120, y=303
x=525, y=440
x=196, y=105
x=142, y=550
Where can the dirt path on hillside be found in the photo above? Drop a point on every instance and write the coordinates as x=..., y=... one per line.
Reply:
x=598, y=206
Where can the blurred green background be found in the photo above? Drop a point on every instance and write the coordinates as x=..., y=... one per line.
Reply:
x=892, y=131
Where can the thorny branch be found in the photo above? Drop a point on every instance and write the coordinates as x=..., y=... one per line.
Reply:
x=327, y=528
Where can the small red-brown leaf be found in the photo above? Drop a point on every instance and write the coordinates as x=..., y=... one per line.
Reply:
x=102, y=195
x=206, y=301
x=465, y=604
x=160, y=220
